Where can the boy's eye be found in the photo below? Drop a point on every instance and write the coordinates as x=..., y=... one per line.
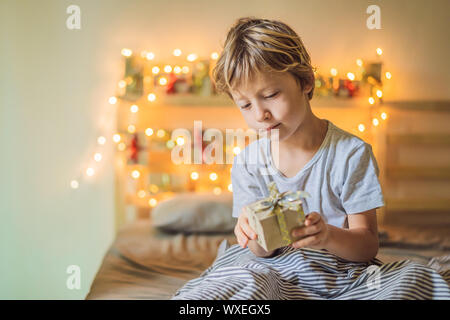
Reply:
x=271, y=96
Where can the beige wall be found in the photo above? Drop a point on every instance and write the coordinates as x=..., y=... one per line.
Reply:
x=53, y=102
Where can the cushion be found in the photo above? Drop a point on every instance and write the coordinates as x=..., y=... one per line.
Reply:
x=195, y=212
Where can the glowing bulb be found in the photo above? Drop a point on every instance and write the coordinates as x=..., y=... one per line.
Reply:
x=177, y=69
x=74, y=184
x=379, y=93
x=371, y=100
x=126, y=52
x=192, y=57
x=131, y=128
x=149, y=131
x=217, y=190
x=185, y=69
x=141, y=193
x=152, y=202
x=155, y=70
x=90, y=172
x=361, y=127
x=375, y=121
x=359, y=62
x=112, y=100
x=167, y=69
x=135, y=174
x=170, y=144
x=236, y=150
x=194, y=175
x=334, y=72
x=384, y=116
x=230, y=187
x=180, y=141
x=134, y=108
x=379, y=51
x=350, y=76
x=151, y=97
x=213, y=176
x=122, y=84
x=98, y=157
x=116, y=137
x=162, y=81
x=153, y=188
x=101, y=140
x=150, y=56
x=161, y=133
x=177, y=52
x=214, y=56
x=388, y=75
x=122, y=146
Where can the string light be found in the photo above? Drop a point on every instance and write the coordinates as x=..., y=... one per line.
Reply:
x=135, y=174
x=126, y=52
x=383, y=115
x=379, y=93
x=214, y=56
x=160, y=133
x=334, y=72
x=131, y=128
x=141, y=194
x=192, y=57
x=162, y=81
x=155, y=70
x=350, y=76
x=149, y=132
x=230, y=187
x=151, y=97
x=177, y=69
x=98, y=157
x=359, y=62
x=121, y=146
x=371, y=100
x=152, y=202
x=90, y=172
x=180, y=141
x=170, y=144
x=153, y=188
x=388, y=75
x=101, y=140
x=194, y=175
x=213, y=176
x=379, y=51
x=74, y=184
x=150, y=56
x=185, y=69
x=375, y=122
x=177, y=52
x=167, y=69
x=361, y=127
x=122, y=84
x=134, y=108
x=236, y=150
x=217, y=190
x=112, y=100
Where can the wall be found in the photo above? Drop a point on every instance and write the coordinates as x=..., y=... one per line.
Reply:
x=55, y=84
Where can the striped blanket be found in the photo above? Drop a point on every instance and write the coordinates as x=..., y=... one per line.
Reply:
x=312, y=274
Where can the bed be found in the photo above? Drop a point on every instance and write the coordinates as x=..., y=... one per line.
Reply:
x=145, y=262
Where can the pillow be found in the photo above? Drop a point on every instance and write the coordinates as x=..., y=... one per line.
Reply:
x=195, y=212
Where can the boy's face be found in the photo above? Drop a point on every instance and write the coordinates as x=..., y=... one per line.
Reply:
x=272, y=100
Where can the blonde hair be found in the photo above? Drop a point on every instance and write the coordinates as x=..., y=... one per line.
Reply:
x=260, y=45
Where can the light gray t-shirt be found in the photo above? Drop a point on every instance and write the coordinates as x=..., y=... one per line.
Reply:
x=342, y=177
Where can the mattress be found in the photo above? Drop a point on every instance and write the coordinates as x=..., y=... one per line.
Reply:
x=147, y=263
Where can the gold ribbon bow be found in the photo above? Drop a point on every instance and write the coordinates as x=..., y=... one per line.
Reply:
x=277, y=203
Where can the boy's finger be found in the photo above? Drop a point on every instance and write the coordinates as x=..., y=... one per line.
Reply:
x=242, y=238
x=312, y=218
x=248, y=231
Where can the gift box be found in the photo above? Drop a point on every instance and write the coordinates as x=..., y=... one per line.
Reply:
x=274, y=217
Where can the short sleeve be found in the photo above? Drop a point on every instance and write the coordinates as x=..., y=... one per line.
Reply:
x=361, y=190
x=244, y=186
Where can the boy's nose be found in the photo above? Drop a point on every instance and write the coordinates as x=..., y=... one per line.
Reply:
x=263, y=115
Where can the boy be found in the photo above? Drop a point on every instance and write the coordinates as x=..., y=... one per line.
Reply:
x=267, y=71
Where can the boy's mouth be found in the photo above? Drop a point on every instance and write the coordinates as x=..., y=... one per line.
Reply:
x=273, y=127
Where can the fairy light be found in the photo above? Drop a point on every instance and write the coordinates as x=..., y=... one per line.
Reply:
x=180, y=141
x=177, y=52
x=155, y=70
x=185, y=69
x=162, y=81
x=122, y=84
x=98, y=157
x=134, y=108
x=151, y=97
x=383, y=115
x=141, y=194
x=359, y=62
x=135, y=174
x=150, y=56
x=379, y=93
x=350, y=76
x=74, y=184
x=101, y=140
x=153, y=188
x=214, y=56
x=160, y=133
x=361, y=127
x=152, y=202
x=126, y=52
x=375, y=122
x=177, y=69
x=116, y=138
x=90, y=172
x=121, y=146
x=213, y=176
x=388, y=75
x=371, y=100
x=236, y=150
x=168, y=69
x=194, y=175
x=230, y=187
x=149, y=132
x=334, y=72
x=217, y=190
x=112, y=100
x=170, y=144
x=192, y=57
x=131, y=128
x=379, y=51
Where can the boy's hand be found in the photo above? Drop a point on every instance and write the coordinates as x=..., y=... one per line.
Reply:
x=243, y=231
x=314, y=234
